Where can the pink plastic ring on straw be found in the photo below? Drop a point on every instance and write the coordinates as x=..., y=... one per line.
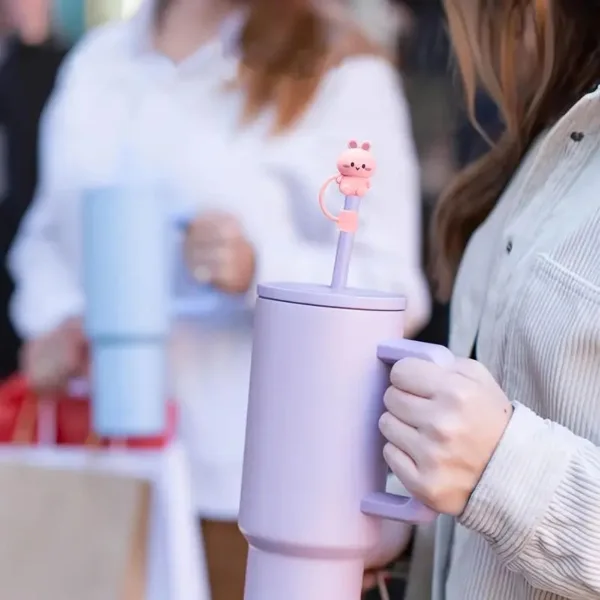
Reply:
x=324, y=208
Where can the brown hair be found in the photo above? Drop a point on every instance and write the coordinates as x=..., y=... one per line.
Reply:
x=561, y=63
x=287, y=46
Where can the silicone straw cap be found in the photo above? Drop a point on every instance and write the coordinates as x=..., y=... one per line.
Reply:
x=324, y=295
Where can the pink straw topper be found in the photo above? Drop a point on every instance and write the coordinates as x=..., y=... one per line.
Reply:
x=356, y=165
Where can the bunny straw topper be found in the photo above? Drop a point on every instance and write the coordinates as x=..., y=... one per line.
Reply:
x=356, y=165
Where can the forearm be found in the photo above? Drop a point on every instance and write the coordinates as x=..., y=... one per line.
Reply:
x=538, y=505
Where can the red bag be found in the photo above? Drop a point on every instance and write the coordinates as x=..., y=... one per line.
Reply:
x=20, y=412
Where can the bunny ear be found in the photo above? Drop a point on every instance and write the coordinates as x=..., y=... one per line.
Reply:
x=352, y=144
x=366, y=146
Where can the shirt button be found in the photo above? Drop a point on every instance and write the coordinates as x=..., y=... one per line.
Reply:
x=509, y=246
x=577, y=136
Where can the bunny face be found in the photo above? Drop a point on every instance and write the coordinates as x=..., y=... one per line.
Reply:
x=357, y=161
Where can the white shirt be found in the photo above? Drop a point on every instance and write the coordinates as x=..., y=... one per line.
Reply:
x=115, y=97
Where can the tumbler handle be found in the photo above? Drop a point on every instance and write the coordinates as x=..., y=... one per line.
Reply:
x=185, y=307
x=384, y=504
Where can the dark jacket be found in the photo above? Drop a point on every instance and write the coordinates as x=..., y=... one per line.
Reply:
x=27, y=77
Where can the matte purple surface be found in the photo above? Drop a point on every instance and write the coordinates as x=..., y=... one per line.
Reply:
x=341, y=266
x=314, y=455
x=323, y=295
x=396, y=508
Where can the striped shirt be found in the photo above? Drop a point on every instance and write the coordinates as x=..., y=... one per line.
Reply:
x=529, y=290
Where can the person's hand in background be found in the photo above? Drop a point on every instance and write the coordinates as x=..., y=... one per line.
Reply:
x=217, y=252
x=50, y=361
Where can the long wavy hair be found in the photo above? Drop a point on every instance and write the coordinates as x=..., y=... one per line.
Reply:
x=535, y=58
x=287, y=47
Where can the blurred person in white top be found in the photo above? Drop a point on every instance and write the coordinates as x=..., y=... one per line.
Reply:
x=242, y=109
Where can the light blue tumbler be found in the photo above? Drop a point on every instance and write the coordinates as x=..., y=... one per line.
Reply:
x=127, y=281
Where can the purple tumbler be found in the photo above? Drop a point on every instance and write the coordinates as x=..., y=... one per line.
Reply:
x=314, y=475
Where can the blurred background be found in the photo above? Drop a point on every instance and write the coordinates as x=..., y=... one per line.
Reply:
x=412, y=31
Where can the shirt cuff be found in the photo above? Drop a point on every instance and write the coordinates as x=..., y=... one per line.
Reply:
x=520, y=482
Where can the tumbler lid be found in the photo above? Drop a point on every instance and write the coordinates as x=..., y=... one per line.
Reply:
x=326, y=296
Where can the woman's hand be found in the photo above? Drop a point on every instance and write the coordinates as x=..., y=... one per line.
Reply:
x=218, y=252
x=442, y=427
x=49, y=362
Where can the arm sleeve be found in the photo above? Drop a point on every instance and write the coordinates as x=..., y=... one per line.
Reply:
x=538, y=505
x=363, y=100
x=46, y=291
